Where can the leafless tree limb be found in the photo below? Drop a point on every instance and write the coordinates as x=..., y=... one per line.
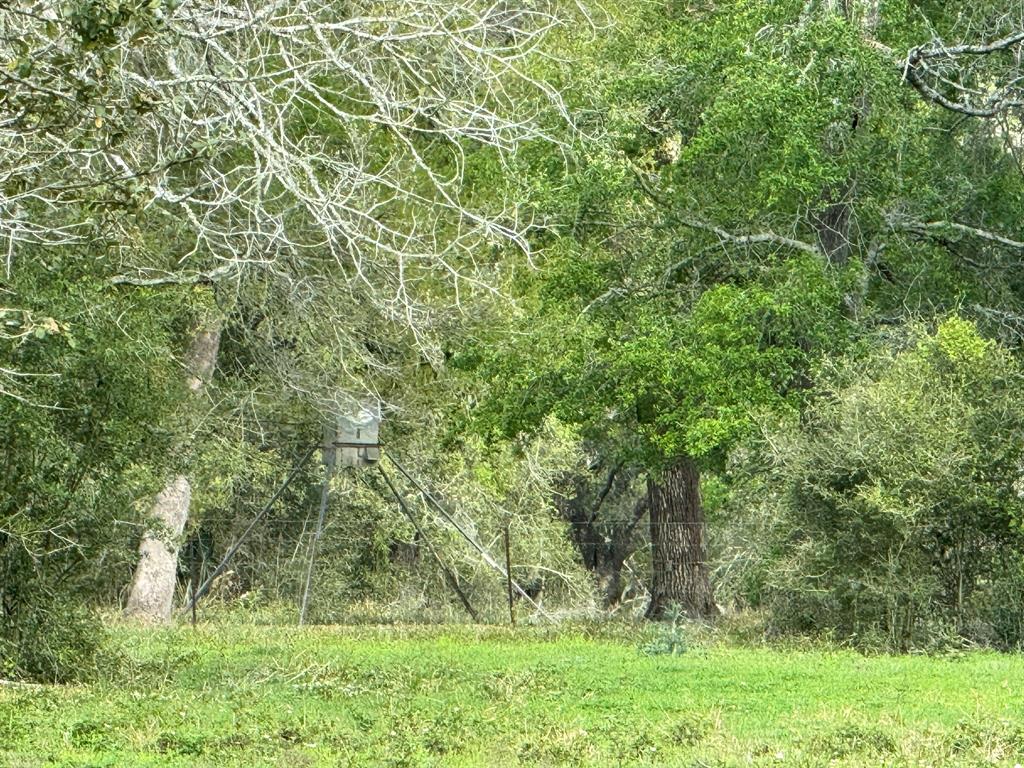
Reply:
x=751, y=239
x=201, y=278
x=908, y=224
x=315, y=147
x=950, y=76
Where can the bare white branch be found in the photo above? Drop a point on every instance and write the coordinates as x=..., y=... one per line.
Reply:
x=316, y=144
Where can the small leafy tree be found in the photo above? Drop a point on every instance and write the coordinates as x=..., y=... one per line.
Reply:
x=77, y=448
x=893, y=512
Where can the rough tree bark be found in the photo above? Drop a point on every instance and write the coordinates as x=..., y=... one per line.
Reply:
x=832, y=223
x=679, y=572
x=152, y=592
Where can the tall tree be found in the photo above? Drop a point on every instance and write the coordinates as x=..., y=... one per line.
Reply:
x=152, y=590
x=760, y=184
x=293, y=161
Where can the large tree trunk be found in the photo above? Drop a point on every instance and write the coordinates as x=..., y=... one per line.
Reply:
x=152, y=592
x=832, y=224
x=679, y=572
x=156, y=574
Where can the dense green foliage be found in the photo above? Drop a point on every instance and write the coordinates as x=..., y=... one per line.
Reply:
x=764, y=208
x=569, y=249
x=891, y=513
x=79, y=441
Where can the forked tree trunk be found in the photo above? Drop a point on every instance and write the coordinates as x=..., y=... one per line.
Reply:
x=152, y=592
x=679, y=571
x=604, y=543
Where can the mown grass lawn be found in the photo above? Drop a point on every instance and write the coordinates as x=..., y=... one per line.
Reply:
x=275, y=696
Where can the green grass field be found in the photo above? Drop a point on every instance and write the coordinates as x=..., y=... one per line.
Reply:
x=273, y=696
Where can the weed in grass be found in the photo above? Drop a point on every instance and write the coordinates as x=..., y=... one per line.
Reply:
x=669, y=638
x=690, y=730
x=558, y=747
x=993, y=740
x=449, y=730
x=187, y=744
x=89, y=733
x=853, y=739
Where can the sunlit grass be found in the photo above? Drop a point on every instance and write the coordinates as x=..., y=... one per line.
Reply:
x=244, y=696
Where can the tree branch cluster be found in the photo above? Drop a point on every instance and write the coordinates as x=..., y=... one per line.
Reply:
x=316, y=148
x=243, y=136
x=955, y=77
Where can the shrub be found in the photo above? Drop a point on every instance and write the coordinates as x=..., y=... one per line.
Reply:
x=891, y=516
x=75, y=441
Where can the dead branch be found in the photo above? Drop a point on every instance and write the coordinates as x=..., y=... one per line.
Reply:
x=927, y=68
x=751, y=239
x=907, y=224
